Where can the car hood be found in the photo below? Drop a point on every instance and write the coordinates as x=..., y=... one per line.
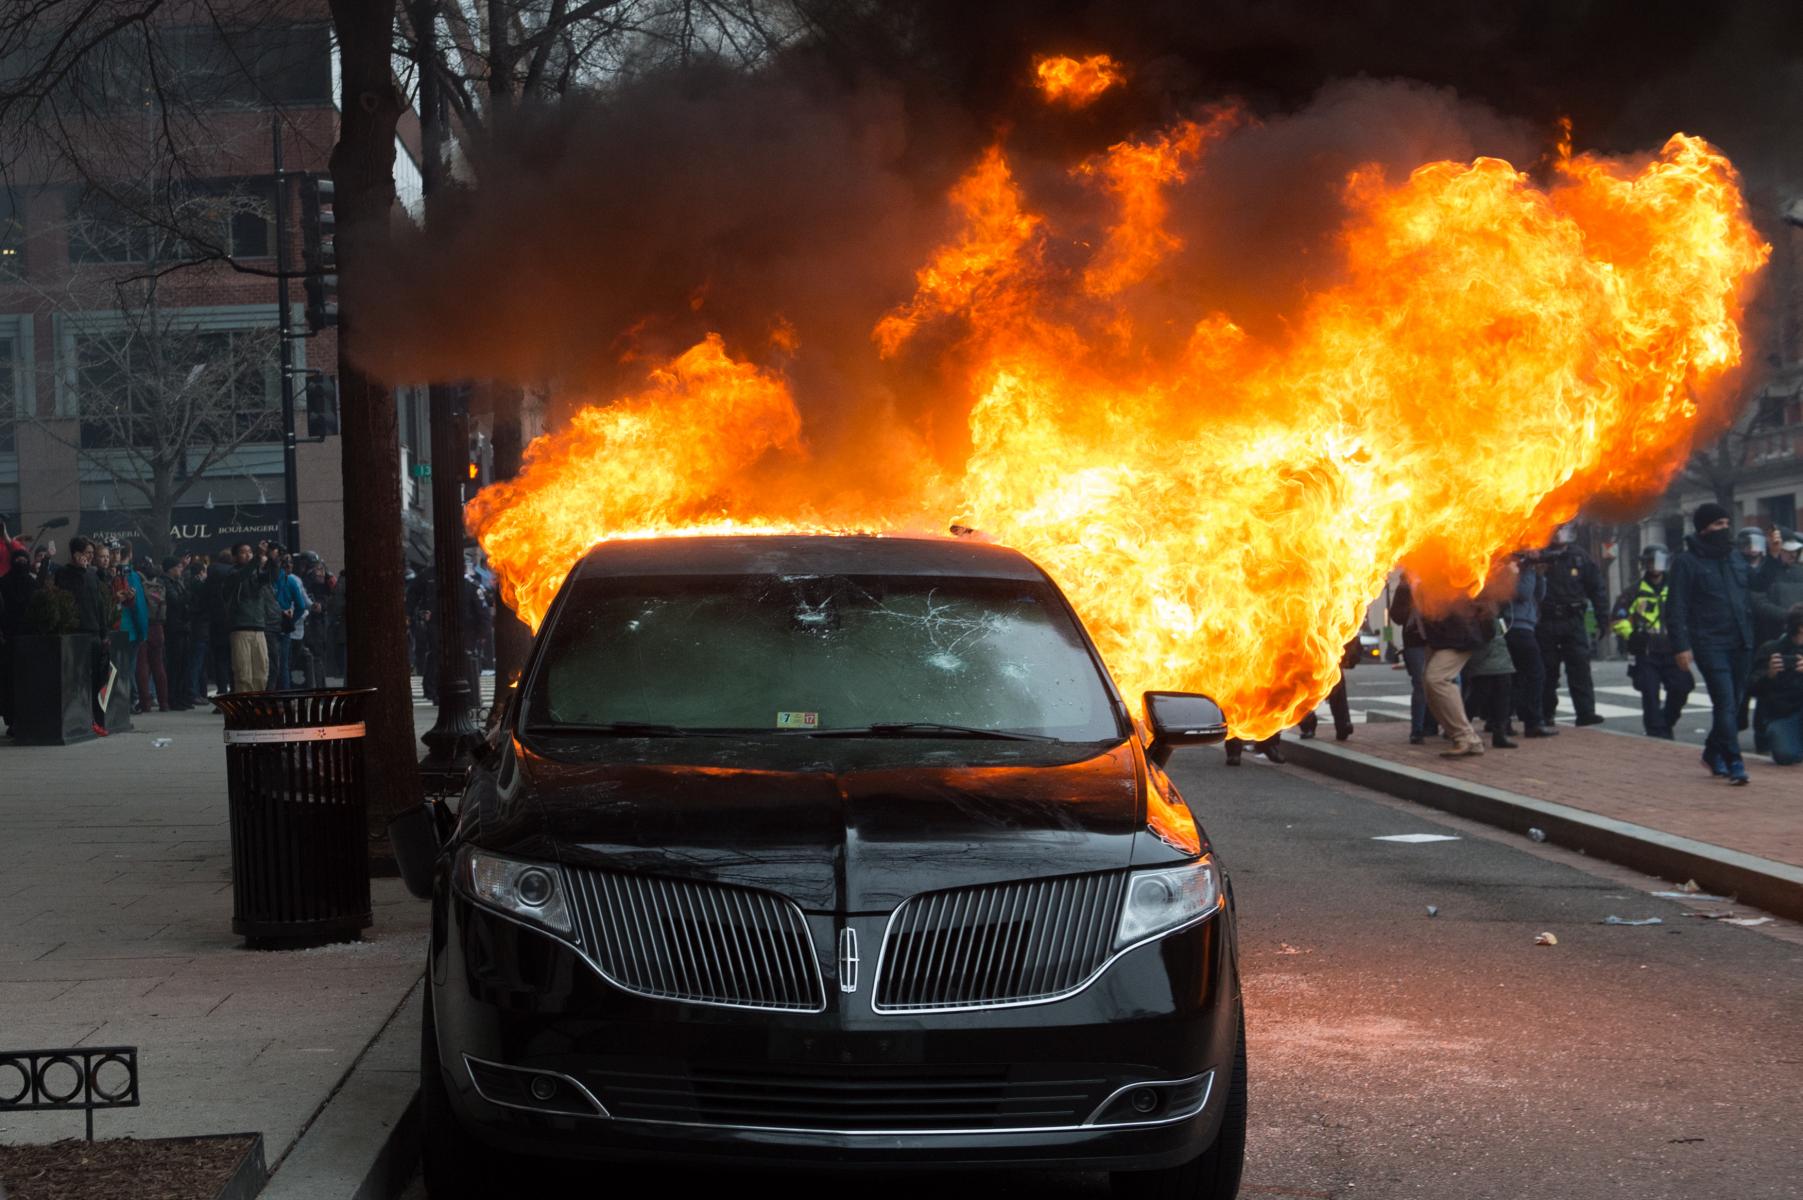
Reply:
x=835, y=825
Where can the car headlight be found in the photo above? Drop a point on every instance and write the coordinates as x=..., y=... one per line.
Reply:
x=1160, y=901
x=528, y=891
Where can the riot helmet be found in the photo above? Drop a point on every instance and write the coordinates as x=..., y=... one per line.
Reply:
x=1566, y=534
x=1751, y=540
x=1655, y=559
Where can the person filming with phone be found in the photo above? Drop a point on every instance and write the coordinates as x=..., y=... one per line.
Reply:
x=1778, y=683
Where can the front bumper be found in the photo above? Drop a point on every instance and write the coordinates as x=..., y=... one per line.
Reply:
x=998, y=1087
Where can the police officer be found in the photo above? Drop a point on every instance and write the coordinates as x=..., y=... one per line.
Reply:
x=1572, y=580
x=1640, y=622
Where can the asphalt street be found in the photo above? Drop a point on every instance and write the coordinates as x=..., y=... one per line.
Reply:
x=1379, y=688
x=1399, y=1055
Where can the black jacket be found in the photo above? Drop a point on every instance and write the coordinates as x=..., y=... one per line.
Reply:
x=1402, y=612
x=84, y=585
x=1572, y=579
x=1779, y=695
x=1709, y=606
x=1464, y=628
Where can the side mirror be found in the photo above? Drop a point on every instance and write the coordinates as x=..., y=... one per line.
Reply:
x=1181, y=719
x=416, y=838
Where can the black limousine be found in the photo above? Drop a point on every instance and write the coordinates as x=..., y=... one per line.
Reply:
x=828, y=851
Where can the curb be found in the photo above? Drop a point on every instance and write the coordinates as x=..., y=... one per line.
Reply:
x=1774, y=886
x=363, y=1144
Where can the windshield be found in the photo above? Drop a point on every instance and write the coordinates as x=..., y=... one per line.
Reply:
x=819, y=653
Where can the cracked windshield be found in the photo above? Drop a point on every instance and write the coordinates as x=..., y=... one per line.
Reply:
x=821, y=654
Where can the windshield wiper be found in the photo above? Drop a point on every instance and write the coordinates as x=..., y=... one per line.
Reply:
x=932, y=729
x=616, y=729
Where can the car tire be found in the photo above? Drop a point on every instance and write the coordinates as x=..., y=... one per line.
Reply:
x=1215, y=1173
x=454, y=1165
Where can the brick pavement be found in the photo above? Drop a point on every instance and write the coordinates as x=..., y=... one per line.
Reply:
x=115, y=927
x=1649, y=782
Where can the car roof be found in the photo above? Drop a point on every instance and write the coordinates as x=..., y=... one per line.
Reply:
x=807, y=554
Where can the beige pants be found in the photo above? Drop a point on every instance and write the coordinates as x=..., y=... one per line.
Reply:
x=250, y=661
x=1443, y=699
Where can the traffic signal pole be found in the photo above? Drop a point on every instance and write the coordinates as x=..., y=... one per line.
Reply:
x=452, y=740
x=284, y=332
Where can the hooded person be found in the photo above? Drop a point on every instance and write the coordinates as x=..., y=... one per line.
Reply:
x=1710, y=621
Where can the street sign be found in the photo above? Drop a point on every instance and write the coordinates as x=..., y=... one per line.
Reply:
x=422, y=470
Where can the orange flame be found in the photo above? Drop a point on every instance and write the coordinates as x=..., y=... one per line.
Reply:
x=1075, y=82
x=1495, y=354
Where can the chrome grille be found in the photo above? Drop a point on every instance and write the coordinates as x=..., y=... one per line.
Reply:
x=706, y=943
x=867, y=1098
x=999, y=944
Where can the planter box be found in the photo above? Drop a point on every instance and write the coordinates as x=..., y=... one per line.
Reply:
x=52, y=688
x=227, y=1166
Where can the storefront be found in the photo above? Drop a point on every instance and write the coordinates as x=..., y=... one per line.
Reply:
x=195, y=529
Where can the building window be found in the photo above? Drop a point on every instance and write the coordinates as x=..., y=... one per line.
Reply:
x=271, y=64
x=12, y=236
x=102, y=230
x=234, y=217
x=1779, y=510
x=221, y=386
x=212, y=219
x=9, y=393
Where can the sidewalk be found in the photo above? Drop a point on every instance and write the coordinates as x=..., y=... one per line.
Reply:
x=118, y=905
x=1641, y=802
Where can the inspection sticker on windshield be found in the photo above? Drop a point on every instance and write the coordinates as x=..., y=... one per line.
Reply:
x=797, y=720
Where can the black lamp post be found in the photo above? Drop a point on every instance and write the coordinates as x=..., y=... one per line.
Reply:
x=451, y=742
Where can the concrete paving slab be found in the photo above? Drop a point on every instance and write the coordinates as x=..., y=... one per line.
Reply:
x=360, y=1146
x=124, y=936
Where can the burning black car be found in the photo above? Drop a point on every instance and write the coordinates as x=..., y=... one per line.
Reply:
x=829, y=851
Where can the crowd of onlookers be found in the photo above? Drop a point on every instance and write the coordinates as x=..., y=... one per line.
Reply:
x=250, y=618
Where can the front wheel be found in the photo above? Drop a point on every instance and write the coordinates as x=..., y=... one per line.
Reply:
x=1215, y=1173
x=454, y=1165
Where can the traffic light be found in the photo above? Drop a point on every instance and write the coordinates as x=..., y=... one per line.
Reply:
x=322, y=405
x=319, y=252
x=475, y=467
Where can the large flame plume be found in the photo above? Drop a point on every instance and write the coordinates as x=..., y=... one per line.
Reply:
x=1494, y=353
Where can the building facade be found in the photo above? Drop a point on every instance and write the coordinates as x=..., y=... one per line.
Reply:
x=126, y=277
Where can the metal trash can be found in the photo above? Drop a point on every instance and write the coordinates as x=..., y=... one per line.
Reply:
x=294, y=764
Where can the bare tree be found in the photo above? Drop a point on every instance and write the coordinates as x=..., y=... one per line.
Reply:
x=164, y=401
x=1723, y=465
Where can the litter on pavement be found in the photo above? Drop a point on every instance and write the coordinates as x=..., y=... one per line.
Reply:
x=1433, y=910
x=1415, y=838
x=1729, y=918
x=1625, y=921
x=1546, y=939
x=1693, y=896
x=1536, y=835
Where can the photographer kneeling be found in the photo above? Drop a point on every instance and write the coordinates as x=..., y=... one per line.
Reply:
x=1778, y=682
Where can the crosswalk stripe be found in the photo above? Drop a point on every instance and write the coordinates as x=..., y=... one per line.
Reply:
x=1603, y=708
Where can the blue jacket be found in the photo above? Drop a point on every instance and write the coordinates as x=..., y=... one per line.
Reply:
x=290, y=594
x=1710, y=606
x=1523, y=610
x=135, y=620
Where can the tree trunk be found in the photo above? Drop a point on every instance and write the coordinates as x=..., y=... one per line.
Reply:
x=163, y=496
x=375, y=617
